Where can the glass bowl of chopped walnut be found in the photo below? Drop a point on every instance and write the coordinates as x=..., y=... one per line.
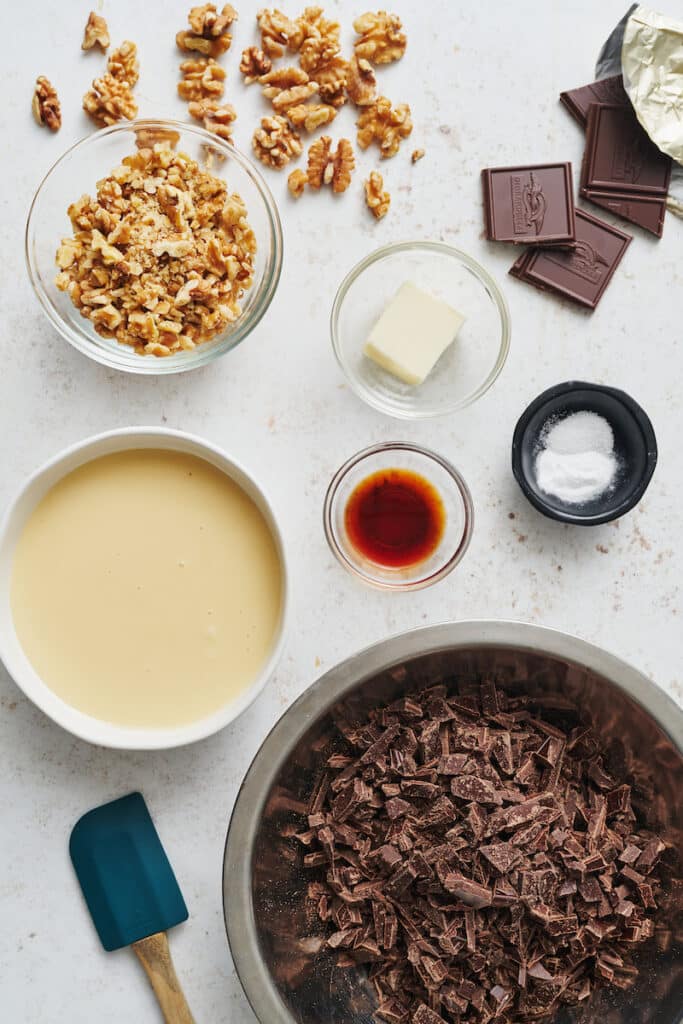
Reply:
x=154, y=246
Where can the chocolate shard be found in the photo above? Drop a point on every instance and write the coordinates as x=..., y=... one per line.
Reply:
x=502, y=856
x=473, y=788
x=467, y=890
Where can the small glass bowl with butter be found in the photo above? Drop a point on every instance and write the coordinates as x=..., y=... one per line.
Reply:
x=420, y=329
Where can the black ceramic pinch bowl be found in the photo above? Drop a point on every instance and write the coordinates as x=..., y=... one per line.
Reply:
x=635, y=446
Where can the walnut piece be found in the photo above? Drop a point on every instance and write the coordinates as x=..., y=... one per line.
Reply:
x=332, y=78
x=45, y=104
x=286, y=98
x=416, y=155
x=376, y=199
x=123, y=63
x=318, y=39
x=296, y=182
x=326, y=167
x=279, y=79
x=310, y=116
x=147, y=138
x=161, y=257
x=381, y=39
x=384, y=124
x=361, y=82
x=209, y=31
x=110, y=100
x=216, y=117
x=96, y=33
x=202, y=78
x=275, y=143
x=278, y=32
x=254, y=64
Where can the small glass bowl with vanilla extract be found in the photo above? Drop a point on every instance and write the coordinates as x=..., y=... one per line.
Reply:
x=398, y=516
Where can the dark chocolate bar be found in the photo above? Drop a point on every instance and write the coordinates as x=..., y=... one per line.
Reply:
x=531, y=204
x=620, y=156
x=581, y=273
x=606, y=90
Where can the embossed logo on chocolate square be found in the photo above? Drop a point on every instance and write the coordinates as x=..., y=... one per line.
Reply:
x=529, y=204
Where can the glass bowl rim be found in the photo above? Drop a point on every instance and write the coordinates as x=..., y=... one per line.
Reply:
x=456, y=477
x=369, y=396
x=202, y=355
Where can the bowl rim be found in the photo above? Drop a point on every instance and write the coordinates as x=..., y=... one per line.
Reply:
x=649, y=442
x=456, y=477
x=87, y=727
x=328, y=689
x=368, y=395
x=203, y=354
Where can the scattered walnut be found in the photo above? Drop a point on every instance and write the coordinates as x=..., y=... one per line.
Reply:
x=277, y=32
x=162, y=256
x=332, y=78
x=202, y=78
x=45, y=104
x=416, y=155
x=147, y=138
x=96, y=33
x=361, y=82
x=275, y=81
x=381, y=39
x=330, y=168
x=123, y=63
x=110, y=100
x=254, y=64
x=376, y=199
x=287, y=98
x=216, y=117
x=311, y=116
x=296, y=182
x=319, y=39
x=209, y=31
x=275, y=143
x=384, y=124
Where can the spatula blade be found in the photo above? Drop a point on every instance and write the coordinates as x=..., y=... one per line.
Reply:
x=125, y=875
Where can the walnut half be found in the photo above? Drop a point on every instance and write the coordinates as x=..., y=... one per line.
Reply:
x=381, y=39
x=45, y=104
x=275, y=143
x=123, y=63
x=209, y=32
x=109, y=100
x=376, y=199
x=385, y=125
x=96, y=33
x=326, y=167
x=216, y=117
x=254, y=64
x=361, y=82
x=202, y=79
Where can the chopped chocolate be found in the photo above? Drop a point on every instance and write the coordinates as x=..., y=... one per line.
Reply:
x=486, y=864
x=531, y=204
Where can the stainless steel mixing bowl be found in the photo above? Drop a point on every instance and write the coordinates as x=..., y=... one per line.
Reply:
x=283, y=966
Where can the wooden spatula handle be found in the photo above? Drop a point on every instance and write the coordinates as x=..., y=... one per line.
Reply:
x=155, y=956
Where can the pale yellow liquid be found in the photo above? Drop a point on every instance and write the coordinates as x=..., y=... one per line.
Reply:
x=146, y=589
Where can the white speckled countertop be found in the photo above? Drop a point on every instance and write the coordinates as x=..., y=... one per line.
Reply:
x=483, y=81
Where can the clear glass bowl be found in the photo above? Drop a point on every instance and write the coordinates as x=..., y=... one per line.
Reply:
x=467, y=368
x=444, y=477
x=78, y=171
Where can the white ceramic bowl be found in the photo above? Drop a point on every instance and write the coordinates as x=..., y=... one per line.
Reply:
x=86, y=727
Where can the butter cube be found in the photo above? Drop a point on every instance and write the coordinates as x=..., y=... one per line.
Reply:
x=414, y=330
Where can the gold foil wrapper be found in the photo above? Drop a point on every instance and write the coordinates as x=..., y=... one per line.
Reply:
x=652, y=65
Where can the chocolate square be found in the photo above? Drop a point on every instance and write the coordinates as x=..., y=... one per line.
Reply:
x=606, y=90
x=647, y=212
x=620, y=156
x=582, y=273
x=529, y=204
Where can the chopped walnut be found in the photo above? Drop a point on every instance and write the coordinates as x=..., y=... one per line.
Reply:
x=277, y=32
x=326, y=167
x=275, y=143
x=96, y=33
x=110, y=100
x=416, y=155
x=376, y=199
x=311, y=116
x=147, y=138
x=296, y=182
x=381, y=39
x=384, y=124
x=254, y=64
x=45, y=104
x=216, y=117
x=123, y=63
x=361, y=82
x=202, y=78
x=209, y=31
x=162, y=256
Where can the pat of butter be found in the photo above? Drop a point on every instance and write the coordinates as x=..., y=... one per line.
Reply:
x=413, y=332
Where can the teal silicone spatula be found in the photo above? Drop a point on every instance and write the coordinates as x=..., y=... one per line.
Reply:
x=131, y=892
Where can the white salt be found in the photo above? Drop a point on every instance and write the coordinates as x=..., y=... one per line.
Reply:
x=576, y=461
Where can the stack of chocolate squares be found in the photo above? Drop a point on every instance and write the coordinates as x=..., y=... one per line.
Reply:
x=622, y=171
x=571, y=253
